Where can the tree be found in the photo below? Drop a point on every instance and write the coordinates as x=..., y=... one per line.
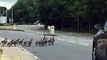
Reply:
x=62, y=13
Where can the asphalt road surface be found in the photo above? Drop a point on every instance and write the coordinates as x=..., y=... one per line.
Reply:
x=65, y=47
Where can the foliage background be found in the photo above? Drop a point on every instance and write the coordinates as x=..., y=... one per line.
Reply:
x=70, y=15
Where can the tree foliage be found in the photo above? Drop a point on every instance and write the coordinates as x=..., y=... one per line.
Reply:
x=62, y=13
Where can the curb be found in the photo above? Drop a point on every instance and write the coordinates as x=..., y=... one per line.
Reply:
x=18, y=30
x=13, y=30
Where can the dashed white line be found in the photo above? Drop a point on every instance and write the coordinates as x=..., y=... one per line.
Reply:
x=61, y=39
x=28, y=52
x=35, y=57
x=25, y=50
x=74, y=41
x=71, y=41
x=83, y=44
x=31, y=54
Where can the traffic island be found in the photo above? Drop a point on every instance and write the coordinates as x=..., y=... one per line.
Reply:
x=10, y=27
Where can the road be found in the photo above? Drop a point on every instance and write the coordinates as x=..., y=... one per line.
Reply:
x=65, y=48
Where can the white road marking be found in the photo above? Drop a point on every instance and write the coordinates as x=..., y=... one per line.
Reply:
x=31, y=54
x=25, y=50
x=80, y=43
x=83, y=44
x=71, y=41
x=61, y=39
x=35, y=57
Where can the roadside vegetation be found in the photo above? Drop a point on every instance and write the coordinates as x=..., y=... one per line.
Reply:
x=70, y=15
